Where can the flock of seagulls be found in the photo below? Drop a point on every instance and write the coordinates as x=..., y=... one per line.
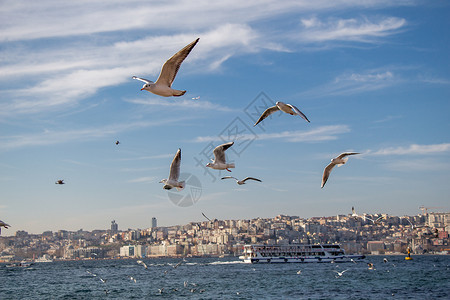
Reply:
x=163, y=87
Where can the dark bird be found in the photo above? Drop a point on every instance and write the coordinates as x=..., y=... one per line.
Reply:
x=60, y=181
x=241, y=182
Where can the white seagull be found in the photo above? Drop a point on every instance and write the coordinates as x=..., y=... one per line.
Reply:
x=174, y=174
x=287, y=108
x=339, y=161
x=219, y=162
x=339, y=274
x=162, y=86
x=132, y=278
x=241, y=182
x=142, y=263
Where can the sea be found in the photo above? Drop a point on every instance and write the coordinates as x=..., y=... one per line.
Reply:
x=424, y=277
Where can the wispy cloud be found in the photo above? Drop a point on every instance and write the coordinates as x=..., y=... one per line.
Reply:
x=51, y=137
x=147, y=179
x=323, y=133
x=356, y=82
x=182, y=104
x=359, y=30
x=413, y=149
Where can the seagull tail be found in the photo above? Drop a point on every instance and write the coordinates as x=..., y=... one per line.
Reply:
x=179, y=93
x=181, y=185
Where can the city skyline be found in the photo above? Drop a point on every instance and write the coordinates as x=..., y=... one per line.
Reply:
x=372, y=78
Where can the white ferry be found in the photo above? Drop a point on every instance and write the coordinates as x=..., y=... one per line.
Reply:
x=296, y=253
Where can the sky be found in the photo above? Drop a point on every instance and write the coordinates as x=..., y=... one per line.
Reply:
x=372, y=77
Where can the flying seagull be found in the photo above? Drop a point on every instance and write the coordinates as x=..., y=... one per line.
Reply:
x=206, y=217
x=376, y=221
x=339, y=161
x=142, y=263
x=241, y=182
x=132, y=278
x=219, y=162
x=174, y=174
x=117, y=142
x=287, y=108
x=60, y=181
x=162, y=86
x=339, y=274
x=3, y=224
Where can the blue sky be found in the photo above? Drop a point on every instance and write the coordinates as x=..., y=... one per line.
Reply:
x=372, y=77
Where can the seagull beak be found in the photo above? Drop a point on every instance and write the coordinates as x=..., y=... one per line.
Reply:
x=142, y=89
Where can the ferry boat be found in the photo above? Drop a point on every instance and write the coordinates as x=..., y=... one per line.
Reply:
x=331, y=253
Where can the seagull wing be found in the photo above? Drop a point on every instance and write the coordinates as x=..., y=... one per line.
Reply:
x=142, y=79
x=206, y=217
x=175, y=167
x=219, y=152
x=326, y=173
x=298, y=112
x=251, y=178
x=229, y=177
x=172, y=65
x=267, y=113
x=342, y=155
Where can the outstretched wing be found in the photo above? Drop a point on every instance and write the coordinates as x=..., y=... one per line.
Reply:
x=326, y=173
x=142, y=79
x=267, y=113
x=229, y=177
x=175, y=167
x=172, y=65
x=219, y=152
x=298, y=112
x=251, y=178
x=342, y=155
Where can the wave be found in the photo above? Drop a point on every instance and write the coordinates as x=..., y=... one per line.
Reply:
x=226, y=262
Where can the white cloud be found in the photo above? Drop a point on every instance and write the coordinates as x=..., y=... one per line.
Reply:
x=413, y=149
x=352, y=83
x=147, y=179
x=360, y=30
x=51, y=137
x=27, y=20
x=182, y=104
x=323, y=133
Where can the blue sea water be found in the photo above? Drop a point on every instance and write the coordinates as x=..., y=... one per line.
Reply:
x=425, y=277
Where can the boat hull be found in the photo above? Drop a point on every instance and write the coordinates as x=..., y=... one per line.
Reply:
x=270, y=260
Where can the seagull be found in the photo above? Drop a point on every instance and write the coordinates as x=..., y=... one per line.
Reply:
x=132, y=278
x=206, y=217
x=3, y=224
x=117, y=142
x=142, y=263
x=160, y=290
x=219, y=162
x=60, y=181
x=377, y=221
x=174, y=174
x=339, y=161
x=353, y=260
x=241, y=182
x=185, y=283
x=287, y=108
x=102, y=280
x=177, y=265
x=89, y=272
x=339, y=274
x=299, y=272
x=385, y=260
x=162, y=86
x=196, y=98
x=370, y=265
